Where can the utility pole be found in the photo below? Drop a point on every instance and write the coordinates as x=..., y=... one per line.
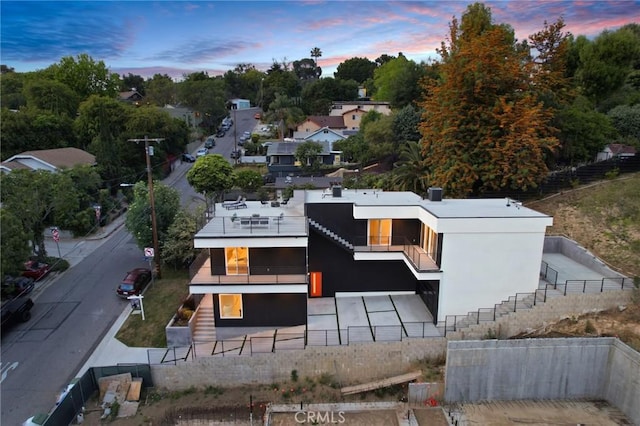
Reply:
x=235, y=132
x=154, y=225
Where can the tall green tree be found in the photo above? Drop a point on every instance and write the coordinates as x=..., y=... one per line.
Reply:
x=161, y=90
x=626, y=120
x=483, y=127
x=39, y=199
x=138, y=220
x=14, y=243
x=249, y=180
x=211, y=176
x=308, y=153
x=397, y=82
x=85, y=76
x=405, y=124
x=357, y=69
x=51, y=96
x=178, y=248
x=315, y=54
x=318, y=95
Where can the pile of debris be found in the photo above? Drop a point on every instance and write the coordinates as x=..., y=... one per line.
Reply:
x=120, y=395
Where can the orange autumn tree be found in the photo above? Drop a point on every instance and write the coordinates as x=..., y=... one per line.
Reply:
x=483, y=127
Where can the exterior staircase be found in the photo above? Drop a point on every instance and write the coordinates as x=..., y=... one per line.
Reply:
x=331, y=235
x=205, y=329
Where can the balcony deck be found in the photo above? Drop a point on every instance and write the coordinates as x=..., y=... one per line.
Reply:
x=203, y=277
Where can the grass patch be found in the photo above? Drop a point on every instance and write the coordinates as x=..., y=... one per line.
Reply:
x=160, y=303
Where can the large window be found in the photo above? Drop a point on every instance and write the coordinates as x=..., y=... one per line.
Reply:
x=379, y=232
x=230, y=306
x=237, y=259
x=429, y=241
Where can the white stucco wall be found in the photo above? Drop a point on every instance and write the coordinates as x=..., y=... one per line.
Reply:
x=480, y=269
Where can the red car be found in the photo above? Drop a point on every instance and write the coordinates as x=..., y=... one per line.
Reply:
x=36, y=270
x=134, y=282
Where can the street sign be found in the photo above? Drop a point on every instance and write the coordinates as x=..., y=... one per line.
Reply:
x=148, y=252
x=55, y=234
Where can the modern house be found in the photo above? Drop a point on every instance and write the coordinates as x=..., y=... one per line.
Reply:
x=48, y=159
x=263, y=261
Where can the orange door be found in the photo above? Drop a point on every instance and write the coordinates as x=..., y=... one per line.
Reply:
x=315, y=284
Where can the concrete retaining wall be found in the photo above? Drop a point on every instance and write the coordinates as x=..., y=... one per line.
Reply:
x=574, y=251
x=358, y=363
x=622, y=385
x=590, y=368
x=553, y=309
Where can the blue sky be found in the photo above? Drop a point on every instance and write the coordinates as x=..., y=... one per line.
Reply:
x=181, y=37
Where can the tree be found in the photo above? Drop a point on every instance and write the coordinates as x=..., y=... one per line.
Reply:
x=410, y=172
x=318, y=95
x=357, y=69
x=13, y=243
x=306, y=70
x=39, y=198
x=85, y=76
x=51, y=96
x=483, y=127
x=397, y=82
x=178, y=247
x=133, y=82
x=307, y=153
x=211, y=176
x=315, y=54
x=160, y=90
x=606, y=62
x=11, y=84
x=626, y=120
x=380, y=138
x=405, y=125
x=138, y=221
x=100, y=127
x=249, y=180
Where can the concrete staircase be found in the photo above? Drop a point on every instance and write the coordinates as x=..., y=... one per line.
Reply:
x=205, y=330
x=332, y=235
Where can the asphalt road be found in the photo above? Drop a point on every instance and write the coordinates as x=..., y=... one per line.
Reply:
x=76, y=309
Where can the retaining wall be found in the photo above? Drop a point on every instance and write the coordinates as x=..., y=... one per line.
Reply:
x=555, y=308
x=574, y=251
x=357, y=363
x=576, y=368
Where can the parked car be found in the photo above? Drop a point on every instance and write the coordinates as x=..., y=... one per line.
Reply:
x=236, y=153
x=210, y=142
x=134, y=282
x=220, y=133
x=36, y=270
x=188, y=158
x=257, y=116
x=17, y=285
x=202, y=152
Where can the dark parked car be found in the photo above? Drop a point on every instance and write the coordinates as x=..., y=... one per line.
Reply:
x=188, y=158
x=134, y=282
x=210, y=142
x=220, y=133
x=236, y=153
x=36, y=270
x=17, y=285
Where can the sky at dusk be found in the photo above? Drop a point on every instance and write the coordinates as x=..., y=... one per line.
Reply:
x=182, y=37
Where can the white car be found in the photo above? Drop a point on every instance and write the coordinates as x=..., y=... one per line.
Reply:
x=202, y=152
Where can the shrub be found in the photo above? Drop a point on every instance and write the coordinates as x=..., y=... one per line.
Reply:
x=589, y=327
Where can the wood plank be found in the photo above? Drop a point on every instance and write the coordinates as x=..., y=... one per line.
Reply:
x=134, y=389
x=390, y=381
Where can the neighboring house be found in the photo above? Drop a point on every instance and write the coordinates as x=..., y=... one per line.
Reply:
x=48, y=159
x=132, y=97
x=339, y=108
x=458, y=255
x=616, y=150
x=184, y=114
x=352, y=118
x=281, y=157
x=317, y=122
x=324, y=134
x=240, y=103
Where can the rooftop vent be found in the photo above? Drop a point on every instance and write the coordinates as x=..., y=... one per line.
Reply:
x=435, y=194
x=337, y=191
